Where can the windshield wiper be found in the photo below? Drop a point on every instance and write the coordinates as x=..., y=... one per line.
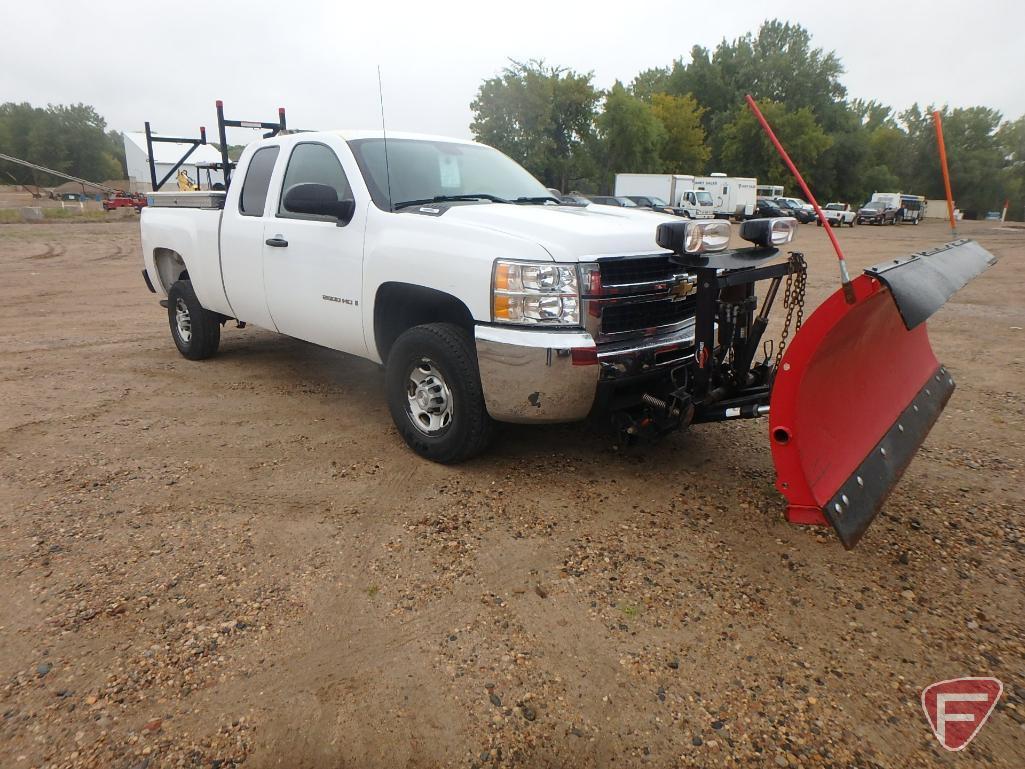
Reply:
x=538, y=199
x=448, y=198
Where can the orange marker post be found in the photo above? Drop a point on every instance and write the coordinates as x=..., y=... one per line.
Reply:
x=845, y=278
x=938, y=122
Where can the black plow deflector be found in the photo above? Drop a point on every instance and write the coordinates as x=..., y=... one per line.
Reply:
x=923, y=282
x=870, y=484
x=859, y=388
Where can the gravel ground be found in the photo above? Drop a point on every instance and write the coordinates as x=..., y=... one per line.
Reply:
x=237, y=562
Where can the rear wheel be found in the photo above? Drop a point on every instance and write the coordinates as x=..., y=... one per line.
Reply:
x=196, y=331
x=434, y=393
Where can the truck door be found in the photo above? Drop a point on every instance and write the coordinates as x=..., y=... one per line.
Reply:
x=313, y=265
x=241, y=240
x=690, y=203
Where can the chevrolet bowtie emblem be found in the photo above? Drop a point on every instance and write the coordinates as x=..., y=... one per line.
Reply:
x=682, y=289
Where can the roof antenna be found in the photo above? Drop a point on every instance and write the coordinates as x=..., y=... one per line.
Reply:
x=384, y=134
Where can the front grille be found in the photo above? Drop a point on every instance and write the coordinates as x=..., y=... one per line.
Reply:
x=638, y=316
x=624, y=272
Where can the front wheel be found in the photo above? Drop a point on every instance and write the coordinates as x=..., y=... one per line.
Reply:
x=434, y=393
x=196, y=331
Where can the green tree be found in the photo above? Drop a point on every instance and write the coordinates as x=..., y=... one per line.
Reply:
x=779, y=64
x=542, y=116
x=974, y=154
x=1011, y=138
x=68, y=138
x=684, y=147
x=746, y=151
x=650, y=82
x=631, y=136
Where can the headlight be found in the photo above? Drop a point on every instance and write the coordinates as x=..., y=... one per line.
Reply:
x=534, y=292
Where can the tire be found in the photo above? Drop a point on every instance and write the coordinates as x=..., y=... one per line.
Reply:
x=196, y=331
x=434, y=393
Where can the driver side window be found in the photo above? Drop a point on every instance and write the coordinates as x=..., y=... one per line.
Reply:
x=313, y=163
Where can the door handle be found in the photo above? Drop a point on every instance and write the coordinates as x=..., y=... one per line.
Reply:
x=277, y=242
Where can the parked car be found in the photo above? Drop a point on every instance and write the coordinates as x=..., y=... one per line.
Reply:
x=657, y=204
x=878, y=212
x=768, y=209
x=801, y=214
x=797, y=203
x=839, y=214
x=574, y=199
x=613, y=200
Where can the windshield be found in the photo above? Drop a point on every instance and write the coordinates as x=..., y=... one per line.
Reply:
x=626, y=202
x=421, y=169
x=875, y=205
x=704, y=199
x=657, y=202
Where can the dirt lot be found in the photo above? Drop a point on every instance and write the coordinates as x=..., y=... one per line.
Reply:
x=237, y=562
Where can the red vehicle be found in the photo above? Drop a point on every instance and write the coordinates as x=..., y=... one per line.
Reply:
x=124, y=200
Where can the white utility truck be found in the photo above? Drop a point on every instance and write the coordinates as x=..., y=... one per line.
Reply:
x=678, y=189
x=733, y=197
x=483, y=295
x=487, y=298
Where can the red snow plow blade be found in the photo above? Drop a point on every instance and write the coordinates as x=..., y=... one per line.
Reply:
x=859, y=388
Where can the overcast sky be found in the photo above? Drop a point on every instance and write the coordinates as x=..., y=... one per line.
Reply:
x=168, y=62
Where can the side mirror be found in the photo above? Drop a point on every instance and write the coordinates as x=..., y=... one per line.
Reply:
x=319, y=200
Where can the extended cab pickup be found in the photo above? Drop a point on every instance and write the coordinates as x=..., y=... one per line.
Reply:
x=839, y=214
x=485, y=298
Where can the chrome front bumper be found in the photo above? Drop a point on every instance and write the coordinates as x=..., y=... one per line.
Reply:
x=552, y=376
x=534, y=376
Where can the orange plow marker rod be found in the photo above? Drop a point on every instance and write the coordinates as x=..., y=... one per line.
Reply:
x=845, y=278
x=938, y=122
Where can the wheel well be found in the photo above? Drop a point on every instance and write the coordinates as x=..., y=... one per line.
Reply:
x=170, y=267
x=400, y=306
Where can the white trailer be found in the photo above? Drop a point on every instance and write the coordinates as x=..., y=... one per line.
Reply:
x=677, y=190
x=912, y=207
x=769, y=191
x=732, y=196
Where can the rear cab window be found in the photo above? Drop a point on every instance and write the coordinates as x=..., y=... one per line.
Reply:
x=257, y=182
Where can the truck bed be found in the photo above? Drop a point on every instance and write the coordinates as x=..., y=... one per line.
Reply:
x=202, y=199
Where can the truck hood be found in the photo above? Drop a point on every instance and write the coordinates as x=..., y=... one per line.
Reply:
x=568, y=233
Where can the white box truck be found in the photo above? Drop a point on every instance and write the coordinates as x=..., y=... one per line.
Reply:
x=677, y=190
x=732, y=196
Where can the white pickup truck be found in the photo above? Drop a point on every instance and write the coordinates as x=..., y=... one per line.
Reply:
x=483, y=296
x=839, y=214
